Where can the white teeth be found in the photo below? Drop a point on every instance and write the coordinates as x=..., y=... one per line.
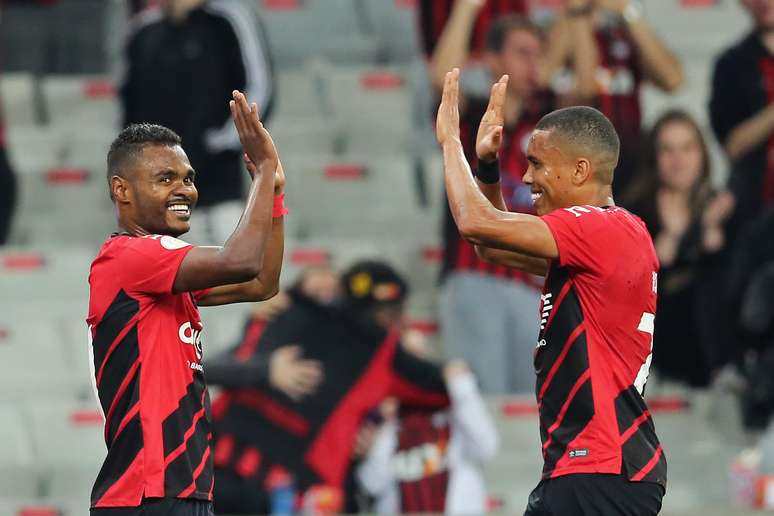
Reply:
x=536, y=196
x=179, y=208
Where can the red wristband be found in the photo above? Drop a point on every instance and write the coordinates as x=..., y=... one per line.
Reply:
x=279, y=206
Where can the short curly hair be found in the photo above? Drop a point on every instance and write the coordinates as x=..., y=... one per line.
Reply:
x=130, y=141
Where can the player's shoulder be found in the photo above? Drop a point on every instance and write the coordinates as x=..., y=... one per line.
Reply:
x=119, y=246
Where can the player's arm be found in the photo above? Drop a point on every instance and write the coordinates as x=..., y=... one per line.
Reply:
x=246, y=264
x=488, y=143
x=477, y=219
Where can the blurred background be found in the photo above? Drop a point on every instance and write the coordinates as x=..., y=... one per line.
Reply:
x=348, y=90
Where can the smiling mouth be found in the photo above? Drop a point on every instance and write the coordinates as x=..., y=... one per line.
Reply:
x=183, y=210
x=536, y=196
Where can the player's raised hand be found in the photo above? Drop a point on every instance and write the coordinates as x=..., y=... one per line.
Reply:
x=490, y=131
x=279, y=174
x=256, y=140
x=447, y=125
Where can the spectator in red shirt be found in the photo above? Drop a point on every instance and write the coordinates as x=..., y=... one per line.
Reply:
x=506, y=323
x=600, y=53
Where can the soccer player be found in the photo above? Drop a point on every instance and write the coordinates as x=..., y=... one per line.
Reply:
x=601, y=454
x=144, y=322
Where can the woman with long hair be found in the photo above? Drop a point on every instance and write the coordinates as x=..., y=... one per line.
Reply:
x=685, y=217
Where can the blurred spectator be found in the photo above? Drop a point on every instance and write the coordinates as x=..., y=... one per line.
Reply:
x=752, y=283
x=487, y=311
x=262, y=434
x=435, y=14
x=686, y=219
x=742, y=112
x=184, y=59
x=7, y=182
x=600, y=52
x=425, y=461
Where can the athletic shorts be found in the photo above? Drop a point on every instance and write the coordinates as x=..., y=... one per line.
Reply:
x=594, y=495
x=160, y=507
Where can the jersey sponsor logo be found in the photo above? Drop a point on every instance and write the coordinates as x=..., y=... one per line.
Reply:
x=189, y=335
x=545, y=311
x=655, y=283
x=421, y=461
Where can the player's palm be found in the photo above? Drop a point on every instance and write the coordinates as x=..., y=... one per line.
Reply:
x=255, y=139
x=490, y=131
x=447, y=124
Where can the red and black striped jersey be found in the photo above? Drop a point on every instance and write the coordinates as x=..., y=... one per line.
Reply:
x=433, y=15
x=459, y=253
x=147, y=351
x=595, y=344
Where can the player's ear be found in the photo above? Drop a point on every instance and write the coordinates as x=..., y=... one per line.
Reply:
x=119, y=189
x=582, y=171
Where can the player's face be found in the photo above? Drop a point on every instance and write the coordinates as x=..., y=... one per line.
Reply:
x=679, y=156
x=521, y=58
x=163, y=190
x=762, y=12
x=549, y=173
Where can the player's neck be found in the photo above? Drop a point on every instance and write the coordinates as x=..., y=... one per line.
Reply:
x=131, y=227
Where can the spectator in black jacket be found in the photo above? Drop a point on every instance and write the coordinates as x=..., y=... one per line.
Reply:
x=184, y=58
x=686, y=219
x=742, y=112
x=260, y=431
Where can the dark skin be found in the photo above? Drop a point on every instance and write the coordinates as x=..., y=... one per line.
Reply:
x=247, y=267
x=559, y=175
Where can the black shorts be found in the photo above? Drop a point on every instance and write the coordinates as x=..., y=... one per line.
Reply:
x=160, y=507
x=594, y=495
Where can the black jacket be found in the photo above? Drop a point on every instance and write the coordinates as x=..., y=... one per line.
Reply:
x=313, y=438
x=182, y=75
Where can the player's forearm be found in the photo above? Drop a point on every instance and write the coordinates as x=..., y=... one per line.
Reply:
x=468, y=205
x=493, y=193
x=661, y=65
x=246, y=248
x=514, y=260
x=750, y=134
x=452, y=49
x=269, y=277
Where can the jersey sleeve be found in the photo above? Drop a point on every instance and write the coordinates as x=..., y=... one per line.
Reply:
x=582, y=235
x=149, y=264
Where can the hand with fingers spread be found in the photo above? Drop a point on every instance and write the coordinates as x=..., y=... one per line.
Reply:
x=447, y=125
x=490, y=131
x=255, y=139
x=295, y=376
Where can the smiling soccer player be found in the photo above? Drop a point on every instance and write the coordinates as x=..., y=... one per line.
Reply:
x=146, y=286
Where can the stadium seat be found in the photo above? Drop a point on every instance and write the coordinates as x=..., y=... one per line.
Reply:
x=299, y=30
x=372, y=105
x=33, y=362
x=342, y=197
x=84, y=101
x=18, y=468
x=394, y=23
x=70, y=448
x=223, y=326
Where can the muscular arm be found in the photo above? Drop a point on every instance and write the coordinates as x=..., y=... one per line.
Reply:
x=484, y=225
x=243, y=259
x=530, y=264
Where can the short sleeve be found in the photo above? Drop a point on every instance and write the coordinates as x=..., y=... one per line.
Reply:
x=149, y=264
x=583, y=236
